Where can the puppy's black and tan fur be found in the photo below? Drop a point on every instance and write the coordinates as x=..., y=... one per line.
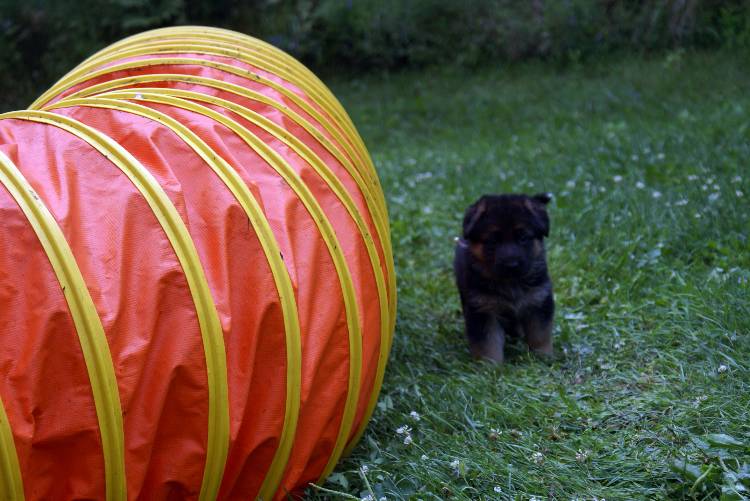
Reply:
x=501, y=274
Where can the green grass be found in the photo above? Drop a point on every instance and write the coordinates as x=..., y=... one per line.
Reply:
x=649, y=254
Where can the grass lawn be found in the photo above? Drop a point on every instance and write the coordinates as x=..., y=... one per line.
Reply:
x=649, y=393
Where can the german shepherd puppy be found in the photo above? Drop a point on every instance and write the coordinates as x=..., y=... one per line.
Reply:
x=501, y=274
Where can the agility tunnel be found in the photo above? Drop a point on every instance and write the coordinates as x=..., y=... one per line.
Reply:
x=197, y=294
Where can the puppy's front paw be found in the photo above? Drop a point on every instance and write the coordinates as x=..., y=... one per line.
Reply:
x=546, y=350
x=490, y=349
x=546, y=355
x=539, y=335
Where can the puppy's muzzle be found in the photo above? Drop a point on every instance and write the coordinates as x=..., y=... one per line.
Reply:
x=509, y=265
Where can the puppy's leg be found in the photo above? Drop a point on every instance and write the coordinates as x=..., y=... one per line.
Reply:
x=539, y=335
x=538, y=325
x=486, y=337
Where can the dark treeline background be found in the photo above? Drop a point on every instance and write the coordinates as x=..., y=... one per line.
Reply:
x=42, y=39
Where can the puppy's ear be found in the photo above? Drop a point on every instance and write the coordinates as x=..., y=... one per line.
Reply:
x=539, y=210
x=472, y=216
x=542, y=220
x=542, y=198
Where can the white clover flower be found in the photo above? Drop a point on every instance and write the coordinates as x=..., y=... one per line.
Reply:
x=497, y=489
x=722, y=369
x=574, y=316
x=634, y=158
x=537, y=457
x=368, y=498
x=617, y=178
x=713, y=197
x=415, y=415
x=681, y=202
x=364, y=468
x=699, y=400
x=692, y=177
x=570, y=184
x=656, y=194
x=604, y=365
x=736, y=179
x=457, y=466
x=640, y=185
x=424, y=457
x=660, y=156
x=403, y=430
x=739, y=194
x=408, y=440
x=582, y=455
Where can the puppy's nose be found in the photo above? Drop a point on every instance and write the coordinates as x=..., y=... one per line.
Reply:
x=511, y=263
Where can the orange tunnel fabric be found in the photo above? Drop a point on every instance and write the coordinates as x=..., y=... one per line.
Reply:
x=197, y=294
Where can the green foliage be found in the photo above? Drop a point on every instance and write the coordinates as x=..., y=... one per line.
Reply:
x=734, y=26
x=649, y=394
x=717, y=469
x=392, y=33
x=40, y=40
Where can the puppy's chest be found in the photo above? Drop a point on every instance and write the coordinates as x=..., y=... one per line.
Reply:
x=510, y=301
